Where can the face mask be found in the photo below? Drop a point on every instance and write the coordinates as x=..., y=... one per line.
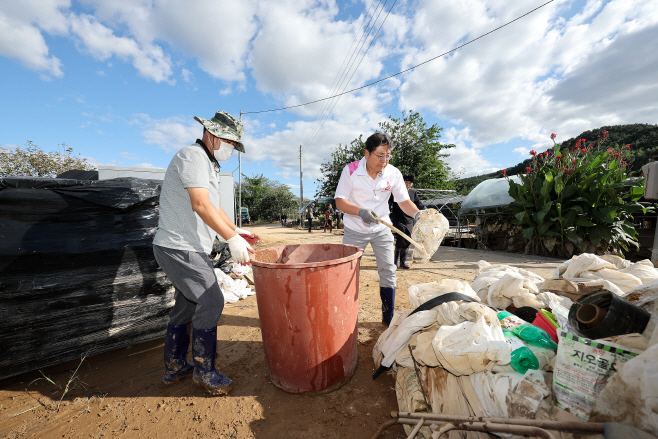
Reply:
x=224, y=152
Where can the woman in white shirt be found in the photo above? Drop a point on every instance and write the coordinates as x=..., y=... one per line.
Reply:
x=362, y=193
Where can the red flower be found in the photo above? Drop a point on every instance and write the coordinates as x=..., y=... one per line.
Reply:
x=528, y=169
x=605, y=134
x=504, y=172
x=574, y=161
x=628, y=146
x=533, y=153
x=568, y=171
x=559, y=156
x=583, y=150
x=626, y=164
x=617, y=155
x=553, y=136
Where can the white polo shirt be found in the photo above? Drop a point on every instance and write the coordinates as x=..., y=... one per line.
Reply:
x=357, y=187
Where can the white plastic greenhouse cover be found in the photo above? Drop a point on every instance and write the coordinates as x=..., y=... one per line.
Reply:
x=489, y=193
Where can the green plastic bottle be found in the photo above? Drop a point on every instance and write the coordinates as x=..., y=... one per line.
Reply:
x=522, y=357
x=530, y=334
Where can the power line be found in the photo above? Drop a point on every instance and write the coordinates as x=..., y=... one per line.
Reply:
x=357, y=68
x=350, y=63
x=403, y=71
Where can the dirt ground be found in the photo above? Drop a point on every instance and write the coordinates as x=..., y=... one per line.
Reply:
x=120, y=393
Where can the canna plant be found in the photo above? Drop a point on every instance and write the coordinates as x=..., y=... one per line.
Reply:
x=578, y=199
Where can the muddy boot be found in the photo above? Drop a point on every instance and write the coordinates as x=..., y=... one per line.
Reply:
x=177, y=341
x=204, y=348
x=388, y=304
x=403, y=258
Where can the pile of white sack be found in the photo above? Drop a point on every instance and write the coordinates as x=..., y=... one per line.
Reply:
x=464, y=361
x=234, y=289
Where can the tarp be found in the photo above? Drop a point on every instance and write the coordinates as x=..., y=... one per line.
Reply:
x=77, y=272
x=489, y=193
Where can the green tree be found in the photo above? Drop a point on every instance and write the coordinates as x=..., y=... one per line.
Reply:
x=417, y=150
x=32, y=161
x=266, y=198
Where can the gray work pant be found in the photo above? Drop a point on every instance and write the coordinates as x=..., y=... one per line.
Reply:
x=198, y=296
x=382, y=245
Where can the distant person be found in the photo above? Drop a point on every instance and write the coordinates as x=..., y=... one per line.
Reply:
x=309, y=216
x=404, y=222
x=337, y=216
x=328, y=213
x=284, y=220
x=190, y=219
x=362, y=193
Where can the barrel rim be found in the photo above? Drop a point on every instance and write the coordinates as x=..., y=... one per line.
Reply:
x=261, y=264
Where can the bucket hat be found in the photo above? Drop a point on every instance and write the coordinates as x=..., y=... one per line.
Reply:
x=224, y=126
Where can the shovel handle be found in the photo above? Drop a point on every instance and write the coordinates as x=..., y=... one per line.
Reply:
x=411, y=241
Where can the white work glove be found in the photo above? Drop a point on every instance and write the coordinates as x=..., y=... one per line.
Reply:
x=240, y=231
x=239, y=249
x=368, y=215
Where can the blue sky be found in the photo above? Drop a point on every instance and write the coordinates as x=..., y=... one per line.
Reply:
x=120, y=81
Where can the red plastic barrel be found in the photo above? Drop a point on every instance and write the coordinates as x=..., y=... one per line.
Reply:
x=308, y=303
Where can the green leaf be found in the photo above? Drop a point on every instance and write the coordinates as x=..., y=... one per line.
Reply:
x=577, y=209
x=544, y=227
x=527, y=233
x=583, y=222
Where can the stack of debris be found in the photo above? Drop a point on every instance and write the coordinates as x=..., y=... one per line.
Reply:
x=528, y=351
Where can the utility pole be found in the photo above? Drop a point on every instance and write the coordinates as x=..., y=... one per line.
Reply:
x=301, y=178
x=240, y=183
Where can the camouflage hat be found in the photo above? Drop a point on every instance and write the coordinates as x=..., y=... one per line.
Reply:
x=224, y=126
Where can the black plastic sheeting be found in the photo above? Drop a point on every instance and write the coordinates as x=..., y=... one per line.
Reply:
x=77, y=271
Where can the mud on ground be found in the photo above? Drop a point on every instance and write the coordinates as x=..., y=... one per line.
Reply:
x=120, y=393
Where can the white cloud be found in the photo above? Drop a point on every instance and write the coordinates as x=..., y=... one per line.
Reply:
x=522, y=151
x=462, y=159
x=170, y=134
x=187, y=75
x=129, y=155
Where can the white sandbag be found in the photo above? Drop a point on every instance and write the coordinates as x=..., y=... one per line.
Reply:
x=377, y=355
x=631, y=395
x=510, y=394
x=402, y=334
x=456, y=312
x=624, y=281
x=429, y=231
x=643, y=270
x=617, y=261
x=514, y=288
x=579, y=264
x=233, y=289
x=421, y=293
x=471, y=347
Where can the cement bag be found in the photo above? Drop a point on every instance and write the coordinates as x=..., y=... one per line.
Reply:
x=583, y=367
x=510, y=394
x=471, y=347
x=644, y=296
x=377, y=355
x=402, y=334
x=233, y=289
x=429, y=231
x=631, y=396
x=421, y=293
x=410, y=398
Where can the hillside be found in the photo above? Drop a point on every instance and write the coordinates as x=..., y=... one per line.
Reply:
x=643, y=139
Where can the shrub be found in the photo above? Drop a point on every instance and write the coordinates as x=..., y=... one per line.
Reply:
x=581, y=198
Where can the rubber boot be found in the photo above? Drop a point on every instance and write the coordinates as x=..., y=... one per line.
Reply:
x=403, y=258
x=177, y=341
x=387, y=295
x=204, y=348
x=396, y=253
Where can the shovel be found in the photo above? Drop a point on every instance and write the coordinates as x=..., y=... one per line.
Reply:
x=407, y=238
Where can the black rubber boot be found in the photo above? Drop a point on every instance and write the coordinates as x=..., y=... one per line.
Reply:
x=388, y=304
x=396, y=253
x=403, y=258
x=204, y=348
x=177, y=341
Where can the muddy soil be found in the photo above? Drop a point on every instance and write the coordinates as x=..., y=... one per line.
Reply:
x=120, y=393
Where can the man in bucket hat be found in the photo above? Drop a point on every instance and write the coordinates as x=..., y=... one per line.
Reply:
x=190, y=219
